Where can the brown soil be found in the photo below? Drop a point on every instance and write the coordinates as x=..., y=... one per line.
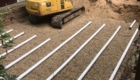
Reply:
x=113, y=14
x=120, y=10
x=104, y=66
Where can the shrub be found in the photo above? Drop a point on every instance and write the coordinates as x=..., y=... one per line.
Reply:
x=6, y=43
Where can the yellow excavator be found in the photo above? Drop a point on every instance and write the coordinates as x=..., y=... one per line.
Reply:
x=62, y=10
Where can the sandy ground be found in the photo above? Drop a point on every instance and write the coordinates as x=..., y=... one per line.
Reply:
x=99, y=13
x=120, y=10
x=102, y=69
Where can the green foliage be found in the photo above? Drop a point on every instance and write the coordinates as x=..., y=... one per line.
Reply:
x=1, y=30
x=1, y=20
x=2, y=59
x=6, y=43
x=5, y=36
x=6, y=76
x=6, y=11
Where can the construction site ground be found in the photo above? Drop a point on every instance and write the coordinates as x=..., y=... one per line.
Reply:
x=113, y=14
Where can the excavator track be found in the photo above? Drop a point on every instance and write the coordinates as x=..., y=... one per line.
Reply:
x=34, y=19
x=60, y=19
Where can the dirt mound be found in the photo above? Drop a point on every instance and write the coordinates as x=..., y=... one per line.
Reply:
x=122, y=10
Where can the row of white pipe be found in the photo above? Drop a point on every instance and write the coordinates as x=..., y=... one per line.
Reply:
x=18, y=35
x=96, y=57
x=98, y=54
x=51, y=53
x=7, y=31
x=16, y=47
x=71, y=57
x=75, y=53
x=123, y=56
x=26, y=54
x=19, y=45
x=124, y=53
x=132, y=24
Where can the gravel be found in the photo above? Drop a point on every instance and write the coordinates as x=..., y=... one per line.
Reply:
x=103, y=67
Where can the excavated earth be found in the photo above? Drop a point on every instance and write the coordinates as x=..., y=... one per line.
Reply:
x=114, y=13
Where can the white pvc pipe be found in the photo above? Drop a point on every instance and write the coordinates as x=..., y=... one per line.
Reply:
x=7, y=31
x=2, y=78
x=132, y=24
x=123, y=56
x=97, y=56
x=21, y=44
x=26, y=54
x=15, y=37
x=51, y=53
x=74, y=54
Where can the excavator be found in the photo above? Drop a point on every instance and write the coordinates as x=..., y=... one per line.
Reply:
x=62, y=10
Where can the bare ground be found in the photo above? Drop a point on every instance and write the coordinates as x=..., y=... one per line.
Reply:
x=99, y=13
x=101, y=70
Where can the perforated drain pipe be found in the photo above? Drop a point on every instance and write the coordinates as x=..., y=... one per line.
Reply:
x=97, y=56
x=15, y=37
x=26, y=54
x=51, y=53
x=74, y=54
x=21, y=44
x=132, y=24
x=123, y=56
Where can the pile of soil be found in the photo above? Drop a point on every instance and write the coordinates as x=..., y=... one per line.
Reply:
x=118, y=10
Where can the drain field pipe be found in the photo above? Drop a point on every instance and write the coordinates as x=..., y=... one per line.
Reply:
x=123, y=56
x=26, y=54
x=132, y=24
x=74, y=54
x=97, y=56
x=15, y=37
x=21, y=44
x=7, y=31
x=1, y=78
x=51, y=53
